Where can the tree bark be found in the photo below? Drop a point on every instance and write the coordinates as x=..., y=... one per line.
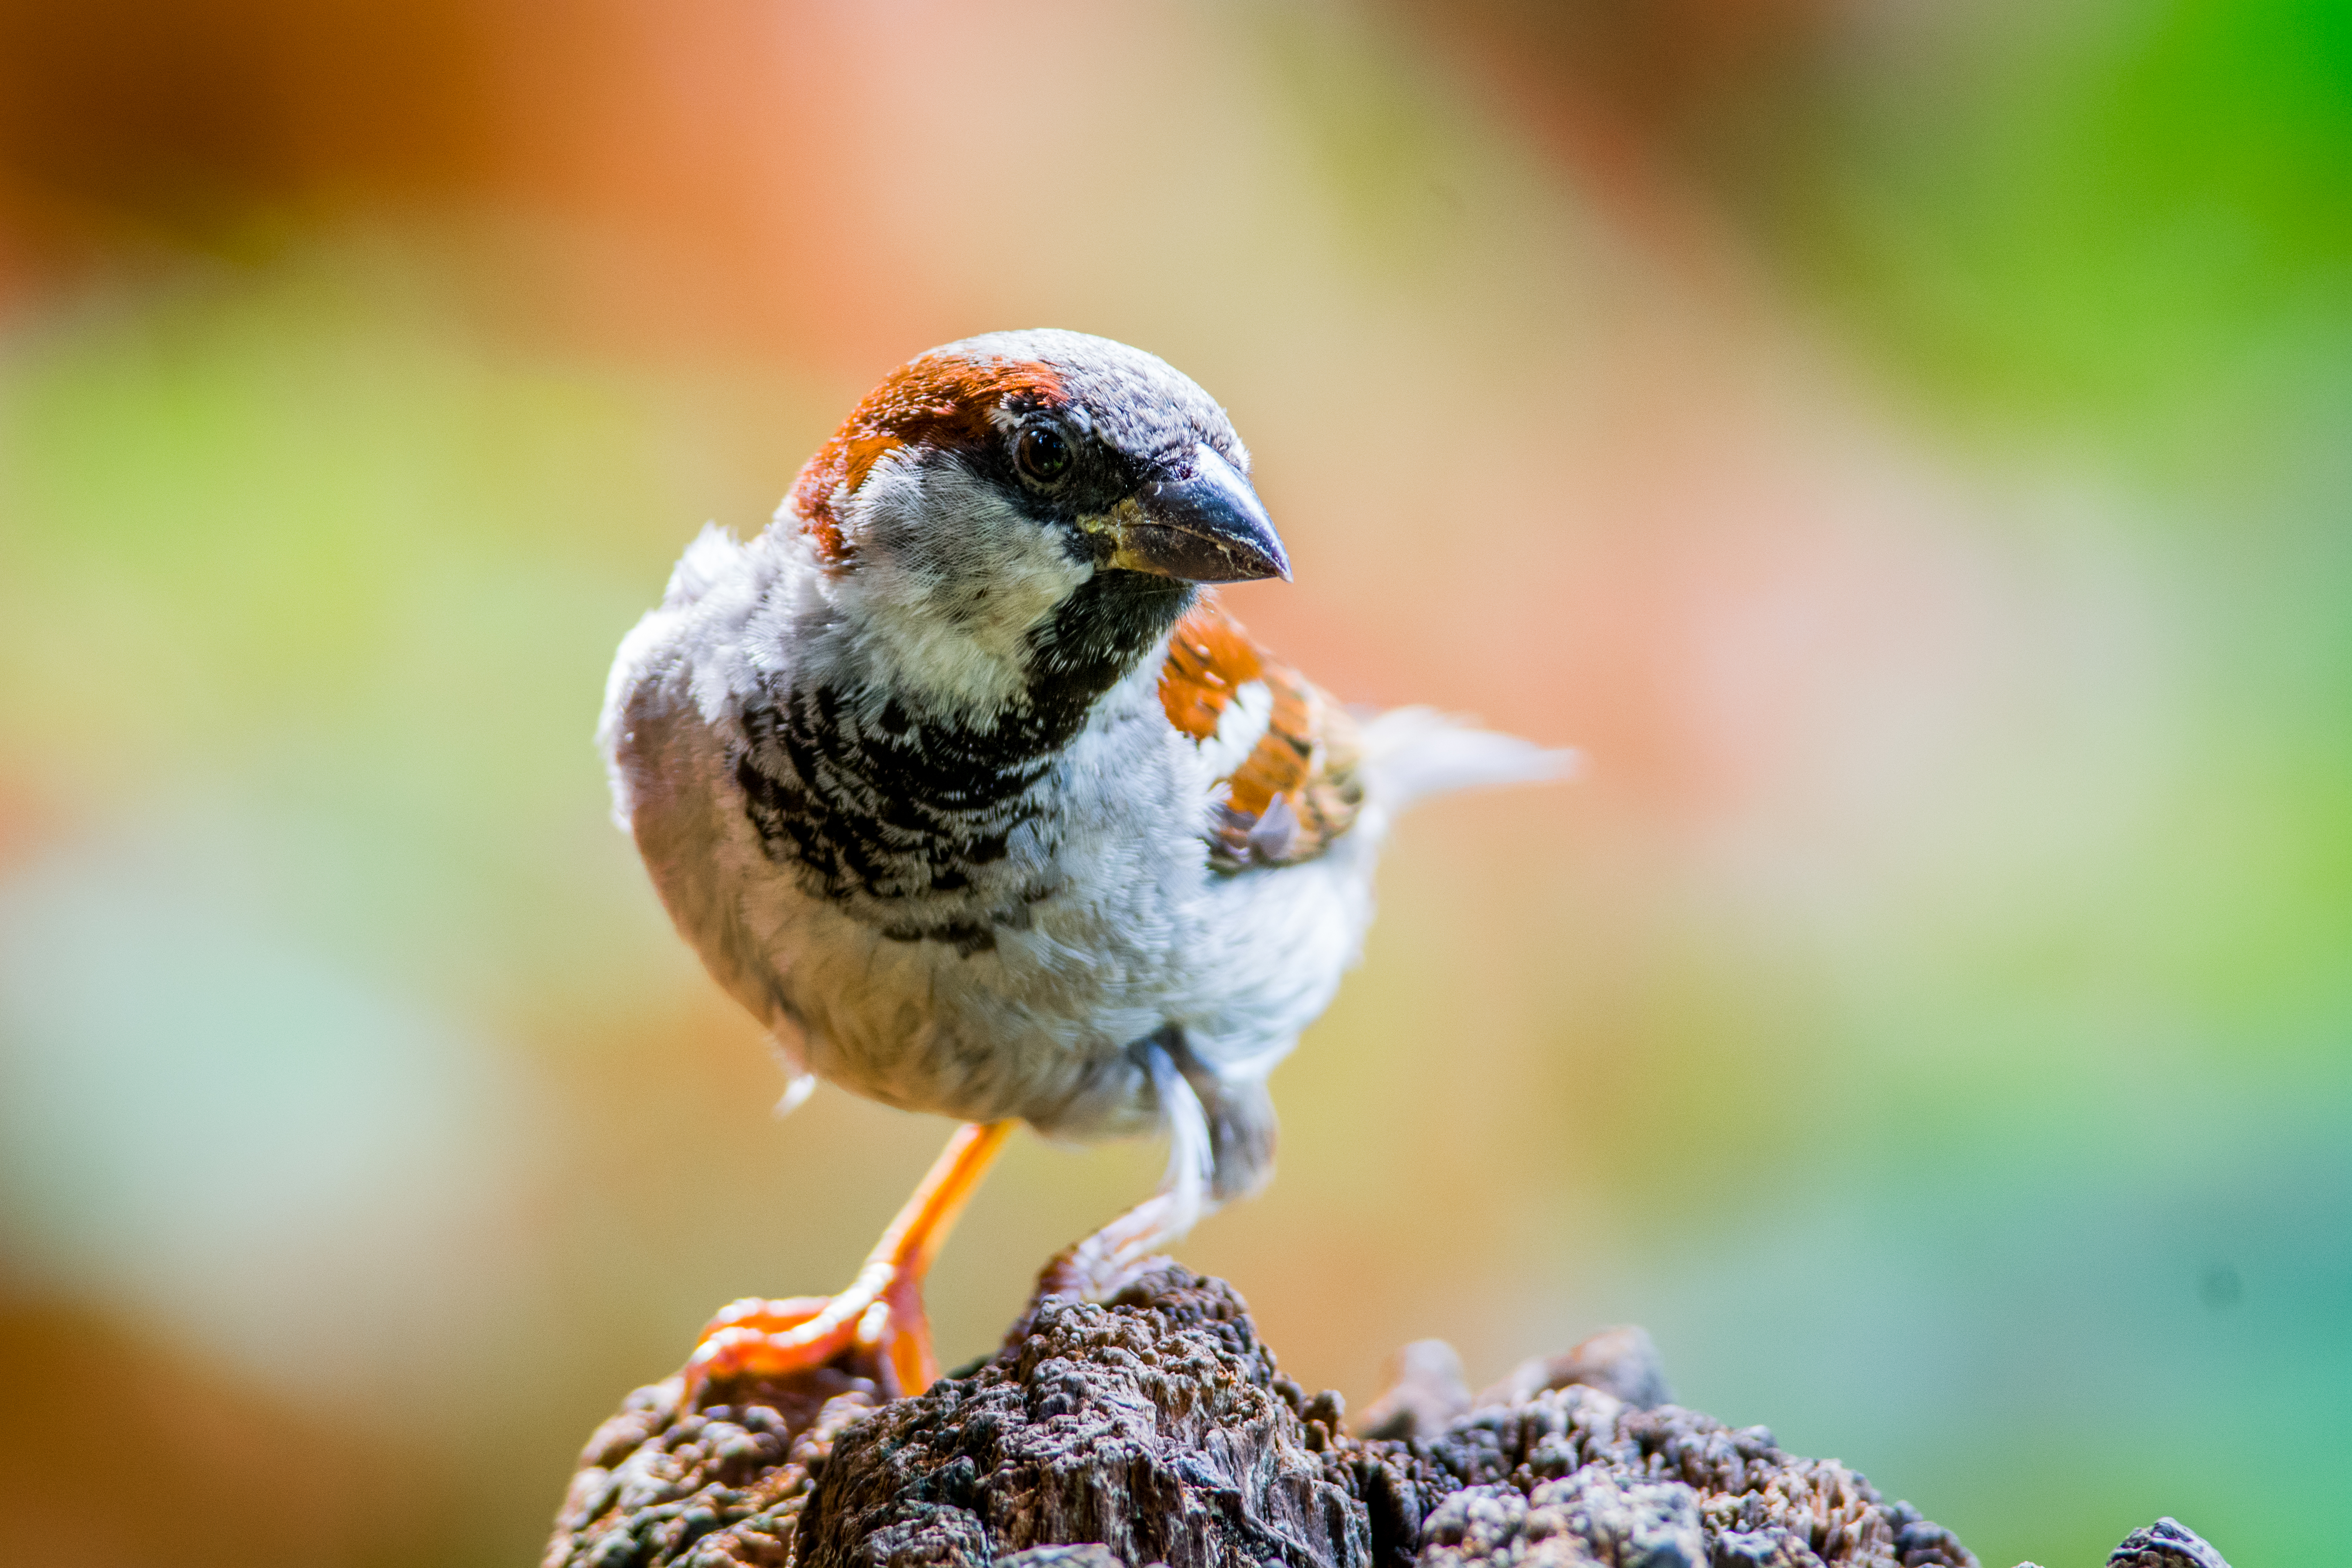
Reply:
x=1155, y=1427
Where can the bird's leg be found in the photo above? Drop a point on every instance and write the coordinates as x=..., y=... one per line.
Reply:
x=1104, y=1264
x=881, y=1314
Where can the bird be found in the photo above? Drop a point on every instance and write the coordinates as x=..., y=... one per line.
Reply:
x=959, y=778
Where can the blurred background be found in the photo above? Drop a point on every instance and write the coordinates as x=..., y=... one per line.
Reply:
x=1907, y=446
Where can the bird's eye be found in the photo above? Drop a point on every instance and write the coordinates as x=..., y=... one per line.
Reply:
x=1043, y=453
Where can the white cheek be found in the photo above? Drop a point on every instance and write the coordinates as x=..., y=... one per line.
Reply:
x=950, y=582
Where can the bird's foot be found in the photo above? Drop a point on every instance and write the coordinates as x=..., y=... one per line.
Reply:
x=877, y=1326
x=1111, y=1260
x=875, y=1329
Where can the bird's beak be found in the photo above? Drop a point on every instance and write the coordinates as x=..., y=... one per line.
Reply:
x=1199, y=520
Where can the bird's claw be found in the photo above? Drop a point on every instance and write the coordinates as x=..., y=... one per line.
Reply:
x=874, y=1330
x=1113, y=1257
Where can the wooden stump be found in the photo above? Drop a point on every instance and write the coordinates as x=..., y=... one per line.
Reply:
x=1156, y=1428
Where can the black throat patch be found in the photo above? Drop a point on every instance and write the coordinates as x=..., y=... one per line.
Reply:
x=906, y=821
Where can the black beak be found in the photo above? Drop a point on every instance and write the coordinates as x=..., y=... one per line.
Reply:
x=1198, y=520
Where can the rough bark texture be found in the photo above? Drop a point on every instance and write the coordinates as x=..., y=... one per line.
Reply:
x=1156, y=1428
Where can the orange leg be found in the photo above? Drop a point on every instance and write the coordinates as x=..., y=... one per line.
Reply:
x=881, y=1313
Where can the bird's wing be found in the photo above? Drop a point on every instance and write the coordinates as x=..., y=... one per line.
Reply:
x=1283, y=756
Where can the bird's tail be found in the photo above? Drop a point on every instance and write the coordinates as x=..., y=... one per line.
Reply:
x=1411, y=753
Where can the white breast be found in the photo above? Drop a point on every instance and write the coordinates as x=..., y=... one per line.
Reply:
x=1138, y=933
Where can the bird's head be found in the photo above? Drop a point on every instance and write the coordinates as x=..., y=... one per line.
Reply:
x=1025, y=508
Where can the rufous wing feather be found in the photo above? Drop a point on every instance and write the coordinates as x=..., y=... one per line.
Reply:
x=1285, y=754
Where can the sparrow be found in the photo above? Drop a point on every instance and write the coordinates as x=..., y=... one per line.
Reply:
x=961, y=781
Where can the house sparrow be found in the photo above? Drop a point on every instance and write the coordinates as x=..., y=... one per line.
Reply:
x=962, y=782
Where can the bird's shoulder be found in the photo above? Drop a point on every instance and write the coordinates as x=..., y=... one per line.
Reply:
x=1283, y=756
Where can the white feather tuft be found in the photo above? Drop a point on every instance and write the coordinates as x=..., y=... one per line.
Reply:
x=795, y=1095
x=799, y=1082
x=714, y=555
